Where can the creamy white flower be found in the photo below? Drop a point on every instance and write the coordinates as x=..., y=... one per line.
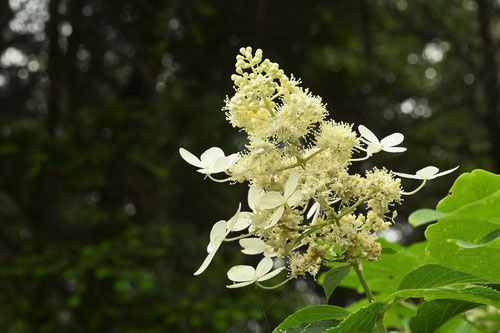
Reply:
x=254, y=245
x=426, y=173
x=386, y=144
x=245, y=275
x=219, y=231
x=314, y=209
x=211, y=161
x=272, y=199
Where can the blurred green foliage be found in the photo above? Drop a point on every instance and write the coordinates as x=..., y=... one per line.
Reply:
x=102, y=224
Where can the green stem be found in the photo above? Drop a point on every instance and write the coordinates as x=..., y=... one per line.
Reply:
x=352, y=208
x=302, y=160
x=272, y=287
x=415, y=190
x=368, y=293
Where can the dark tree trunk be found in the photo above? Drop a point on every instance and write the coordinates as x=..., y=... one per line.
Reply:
x=490, y=78
x=53, y=70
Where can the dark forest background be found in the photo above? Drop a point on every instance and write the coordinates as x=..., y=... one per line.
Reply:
x=102, y=223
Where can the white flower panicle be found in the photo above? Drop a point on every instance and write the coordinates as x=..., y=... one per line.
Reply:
x=296, y=159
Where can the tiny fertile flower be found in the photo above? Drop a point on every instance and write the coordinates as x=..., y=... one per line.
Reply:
x=426, y=173
x=272, y=199
x=246, y=275
x=256, y=245
x=386, y=144
x=219, y=231
x=211, y=161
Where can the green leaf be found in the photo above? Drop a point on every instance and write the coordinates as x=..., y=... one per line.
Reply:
x=431, y=315
x=424, y=216
x=473, y=210
x=312, y=314
x=481, y=295
x=433, y=276
x=388, y=247
x=492, y=240
x=333, y=277
x=361, y=321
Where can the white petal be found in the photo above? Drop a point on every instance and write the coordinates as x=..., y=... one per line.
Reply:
x=276, y=217
x=244, y=220
x=211, y=155
x=269, y=252
x=405, y=175
x=217, y=235
x=392, y=140
x=233, y=158
x=427, y=172
x=252, y=245
x=207, y=261
x=270, y=200
x=291, y=183
x=270, y=275
x=368, y=135
x=444, y=172
x=221, y=164
x=394, y=149
x=233, y=220
x=254, y=195
x=239, y=285
x=190, y=158
x=294, y=198
x=313, y=209
x=373, y=148
x=241, y=273
x=264, y=266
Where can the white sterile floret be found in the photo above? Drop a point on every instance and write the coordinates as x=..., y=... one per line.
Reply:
x=211, y=161
x=426, y=173
x=272, y=199
x=245, y=275
x=219, y=231
x=314, y=210
x=387, y=144
x=256, y=245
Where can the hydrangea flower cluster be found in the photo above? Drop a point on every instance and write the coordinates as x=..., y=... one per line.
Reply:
x=304, y=205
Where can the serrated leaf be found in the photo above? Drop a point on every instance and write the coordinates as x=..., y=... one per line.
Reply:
x=361, y=321
x=433, y=276
x=333, y=277
x=312, y=314
x=481, y=295
x=475, y=204
x=432, y=314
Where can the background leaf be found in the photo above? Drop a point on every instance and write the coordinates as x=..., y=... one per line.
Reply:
x=424, y=216
x=333, y=277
